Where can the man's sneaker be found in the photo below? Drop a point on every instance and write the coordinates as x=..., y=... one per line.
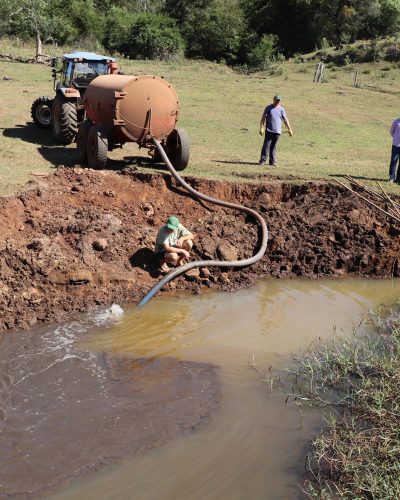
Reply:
x=391, y=181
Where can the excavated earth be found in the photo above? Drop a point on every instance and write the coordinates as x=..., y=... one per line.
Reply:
x=81, y=238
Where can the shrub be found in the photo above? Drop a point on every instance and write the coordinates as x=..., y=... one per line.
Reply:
x=215, y=32
x=153, y=36
x=264, y=53
x=118, y=22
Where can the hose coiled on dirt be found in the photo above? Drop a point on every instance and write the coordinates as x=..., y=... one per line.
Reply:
x=206, y=263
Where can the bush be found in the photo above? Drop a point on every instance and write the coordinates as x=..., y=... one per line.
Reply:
x=264, y=53
x=118, y=22
x=153, y=36
x=215, y=32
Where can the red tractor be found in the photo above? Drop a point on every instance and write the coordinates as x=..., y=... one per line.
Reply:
x=65, y=111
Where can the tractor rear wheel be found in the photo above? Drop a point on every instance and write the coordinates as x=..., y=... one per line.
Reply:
x=41, y=111
x=178, y=148
x=97, y=148
x=82, y=140
x=64, y=120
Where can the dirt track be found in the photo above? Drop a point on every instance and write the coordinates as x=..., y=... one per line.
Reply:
x=84, y=238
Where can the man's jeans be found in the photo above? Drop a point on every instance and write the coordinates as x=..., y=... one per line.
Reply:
x=393, y=164
x=269, y=147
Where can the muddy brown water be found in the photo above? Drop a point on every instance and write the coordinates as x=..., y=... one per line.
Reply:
x=172, y=401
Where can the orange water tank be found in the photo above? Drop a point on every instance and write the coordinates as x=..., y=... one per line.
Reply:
x=131, y=107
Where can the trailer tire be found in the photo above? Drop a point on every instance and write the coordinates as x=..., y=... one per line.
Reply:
x=97, y=148
x=64, y=120
x=178, y=148
x=82, y=141
x=41, y=112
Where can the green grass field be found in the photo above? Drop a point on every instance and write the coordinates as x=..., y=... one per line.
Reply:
x=338, y=129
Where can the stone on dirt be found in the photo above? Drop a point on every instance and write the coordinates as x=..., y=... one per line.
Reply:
x=100, y=244
x=226, y=251
x=193, y=274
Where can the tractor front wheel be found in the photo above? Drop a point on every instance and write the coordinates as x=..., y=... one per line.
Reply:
x=82, y=141
x=41, y=112
x=177, y=148
x=97, y=148
x=64, y=120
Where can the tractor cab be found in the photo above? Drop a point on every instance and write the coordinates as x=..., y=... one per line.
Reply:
x=72, y=75
x=79, y=69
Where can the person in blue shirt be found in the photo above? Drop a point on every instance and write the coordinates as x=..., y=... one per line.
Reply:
x=271, y=124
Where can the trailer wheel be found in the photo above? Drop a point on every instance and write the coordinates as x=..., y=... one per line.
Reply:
x=82, y=141
x=178, y=148
x=41, y=112
x=97, y=148
x=64, y=120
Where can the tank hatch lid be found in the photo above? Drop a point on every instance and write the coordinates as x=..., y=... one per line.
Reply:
x=88, y=56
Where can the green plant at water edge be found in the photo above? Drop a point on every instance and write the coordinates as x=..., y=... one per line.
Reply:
x=358, y=456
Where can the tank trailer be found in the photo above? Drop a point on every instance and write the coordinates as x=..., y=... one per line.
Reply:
x=102, y=110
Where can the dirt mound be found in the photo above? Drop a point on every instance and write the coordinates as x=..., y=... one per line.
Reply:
x=83, y=238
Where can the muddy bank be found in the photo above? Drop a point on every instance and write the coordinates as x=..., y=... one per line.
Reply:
x=83, y=238
x=65, y=412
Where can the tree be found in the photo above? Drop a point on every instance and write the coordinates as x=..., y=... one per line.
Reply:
x=215, y=32
x=153, y=36
x=31, y=17
x=181, y=10
x=119, y=23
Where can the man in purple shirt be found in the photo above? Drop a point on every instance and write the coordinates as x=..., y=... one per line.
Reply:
x=271, y=123
x=395, y=133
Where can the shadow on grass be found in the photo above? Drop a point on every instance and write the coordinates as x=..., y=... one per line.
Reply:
x=56, y=155
x=382, y=179
x=30, y=133
x=236, y=162
x=145, y=259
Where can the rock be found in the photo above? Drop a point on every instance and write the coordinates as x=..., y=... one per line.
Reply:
x=227, y=251
x=224, y=278
x=100, y=244
x=205, y=272
x=32, y=296
x=264, y=199
x=209, y=246
x=192, y=274
x=111, y=221
x=109, y=194
x=148, y=208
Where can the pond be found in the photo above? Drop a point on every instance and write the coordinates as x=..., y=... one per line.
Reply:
x=173, y=400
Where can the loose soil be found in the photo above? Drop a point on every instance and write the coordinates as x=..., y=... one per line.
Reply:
x=83, y=238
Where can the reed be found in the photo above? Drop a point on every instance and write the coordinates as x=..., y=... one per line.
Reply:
x=357, y=455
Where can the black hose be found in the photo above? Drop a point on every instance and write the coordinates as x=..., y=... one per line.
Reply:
x=206, y=263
